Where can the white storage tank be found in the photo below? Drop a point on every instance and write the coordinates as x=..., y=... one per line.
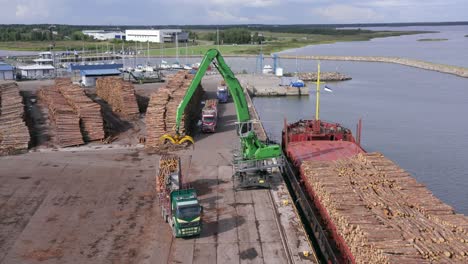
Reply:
x=279, y=71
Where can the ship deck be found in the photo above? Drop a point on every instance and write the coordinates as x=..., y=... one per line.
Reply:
x=321, y=150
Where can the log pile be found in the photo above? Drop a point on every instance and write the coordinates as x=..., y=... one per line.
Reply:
x=119, y=94
x=89, y=112
x=168, y=164
x=14, y=134
x=62, y=116
x=162, y=108
x=383, y=214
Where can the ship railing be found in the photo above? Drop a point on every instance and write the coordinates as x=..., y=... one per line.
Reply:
x=313, y=221
x=241, y=165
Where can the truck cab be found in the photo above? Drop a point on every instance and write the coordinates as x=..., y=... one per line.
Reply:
x=222, y=93
x=209, y=121
x=186, y=213
x=210, y=116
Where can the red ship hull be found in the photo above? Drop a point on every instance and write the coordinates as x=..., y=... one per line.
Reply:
x=319, y=141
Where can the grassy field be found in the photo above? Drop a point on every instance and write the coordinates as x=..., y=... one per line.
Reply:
x=281, y=41
x=275, y=42
x=100, y=46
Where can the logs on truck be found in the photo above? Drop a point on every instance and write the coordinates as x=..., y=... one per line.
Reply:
x=180, y=207
x=210, y=116
x=379, y=214
x=162, y=108
x=14, y=134
x=120, y=95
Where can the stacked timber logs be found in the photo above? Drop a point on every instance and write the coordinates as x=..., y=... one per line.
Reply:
x=89, y=112
x=168, y=164
x=119, y=94
x=14, y=134
x=64, y=119
x=383, y=214
x=162, y=109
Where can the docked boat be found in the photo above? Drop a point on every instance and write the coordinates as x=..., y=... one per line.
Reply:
x=176, y=66
x=267, y=69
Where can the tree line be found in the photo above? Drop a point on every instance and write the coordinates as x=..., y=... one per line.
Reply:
x=235, y=36
x=41, y=32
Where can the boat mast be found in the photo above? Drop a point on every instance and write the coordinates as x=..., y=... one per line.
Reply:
x=147, y=54
x=177, y=47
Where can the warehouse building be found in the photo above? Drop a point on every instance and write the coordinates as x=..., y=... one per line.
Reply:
x=6, y=71
x=76, y=71
x=36, y=71
x=89, y=77
x=104, y=35
x=156, y=35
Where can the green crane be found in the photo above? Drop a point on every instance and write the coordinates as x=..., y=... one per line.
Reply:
x=256, y=156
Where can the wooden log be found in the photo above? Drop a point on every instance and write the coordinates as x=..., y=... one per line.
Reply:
x=385, y=218
x=14, y=134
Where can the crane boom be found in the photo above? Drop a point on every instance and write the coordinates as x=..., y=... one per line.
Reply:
x=256, y=157
x=233, y=84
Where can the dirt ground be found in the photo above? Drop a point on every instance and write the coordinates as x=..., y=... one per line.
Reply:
x=97, y=204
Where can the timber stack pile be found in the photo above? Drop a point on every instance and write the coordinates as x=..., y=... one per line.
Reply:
x=162, y=109
x=64, y=119
x=89, y=112
x=14, y=134
x=119, y=94
x=383, y=214
x=168, y=164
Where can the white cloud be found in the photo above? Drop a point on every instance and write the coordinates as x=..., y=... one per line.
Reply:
x=340, y=13
x=229, y=11
x=225, y=16
x=245, y=3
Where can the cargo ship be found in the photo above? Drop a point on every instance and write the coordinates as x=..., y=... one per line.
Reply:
x=360, y=207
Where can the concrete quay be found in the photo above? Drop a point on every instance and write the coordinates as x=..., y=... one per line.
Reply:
x=268, y=85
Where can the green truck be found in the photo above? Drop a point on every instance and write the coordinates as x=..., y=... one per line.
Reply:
x=179, y=203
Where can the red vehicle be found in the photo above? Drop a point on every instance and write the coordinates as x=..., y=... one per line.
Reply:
x=210, y=116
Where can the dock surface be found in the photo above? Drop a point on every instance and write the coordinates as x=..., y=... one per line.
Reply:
x=99, y=205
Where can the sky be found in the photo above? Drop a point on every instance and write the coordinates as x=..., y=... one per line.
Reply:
x=205, y=12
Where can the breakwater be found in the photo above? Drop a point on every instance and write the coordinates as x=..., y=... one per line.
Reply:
x=455, y=70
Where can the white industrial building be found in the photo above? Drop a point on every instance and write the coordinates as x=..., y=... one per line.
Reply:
x=36, y=71
x=104, y=35
x=156, y=35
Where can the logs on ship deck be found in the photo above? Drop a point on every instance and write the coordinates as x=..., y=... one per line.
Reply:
x=66, y=123
x=162, y=108
x=120, y=95
x=383, y=214
x=88, y=111
x=14, y=134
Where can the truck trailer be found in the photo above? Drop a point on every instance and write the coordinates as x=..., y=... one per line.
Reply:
x=179, y=203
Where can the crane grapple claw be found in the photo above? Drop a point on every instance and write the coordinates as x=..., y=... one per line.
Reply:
x=177, y=139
